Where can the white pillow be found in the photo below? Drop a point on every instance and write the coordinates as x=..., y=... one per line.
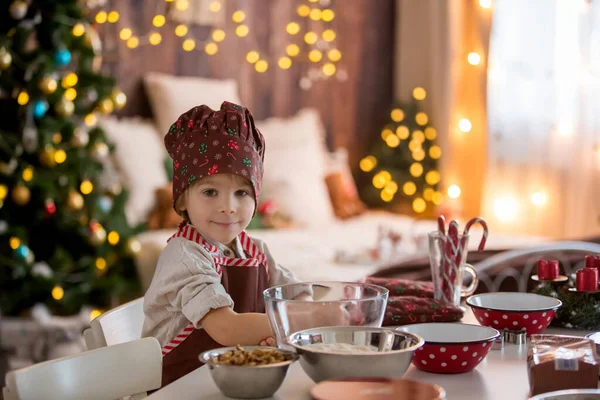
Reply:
x=139, y=156
x=295, y=167
x=170, y=96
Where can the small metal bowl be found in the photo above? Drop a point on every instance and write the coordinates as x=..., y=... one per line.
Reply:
x=247, y=382
x=394, y=353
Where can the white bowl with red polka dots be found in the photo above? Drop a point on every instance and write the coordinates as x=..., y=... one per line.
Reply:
x=515, y=311
x=451, y=348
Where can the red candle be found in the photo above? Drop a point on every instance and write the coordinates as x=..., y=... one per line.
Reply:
x=587, y=280
x=590, y=262
x=547, y=270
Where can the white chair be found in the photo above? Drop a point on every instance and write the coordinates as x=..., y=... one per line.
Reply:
x=108, y=373
x=119, y=325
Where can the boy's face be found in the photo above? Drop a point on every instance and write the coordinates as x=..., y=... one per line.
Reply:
x=220, y=207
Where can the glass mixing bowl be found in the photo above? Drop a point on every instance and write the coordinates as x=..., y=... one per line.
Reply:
x=299, y=306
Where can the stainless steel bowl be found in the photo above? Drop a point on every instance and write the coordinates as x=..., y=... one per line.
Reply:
x=394, y=353
x=247, y=382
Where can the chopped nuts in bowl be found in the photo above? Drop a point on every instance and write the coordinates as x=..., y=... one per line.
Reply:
x=248, y=372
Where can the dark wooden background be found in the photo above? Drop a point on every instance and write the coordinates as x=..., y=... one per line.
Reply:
x=353, y=111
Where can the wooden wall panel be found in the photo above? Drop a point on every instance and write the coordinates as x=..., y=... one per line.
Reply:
x=352, y=111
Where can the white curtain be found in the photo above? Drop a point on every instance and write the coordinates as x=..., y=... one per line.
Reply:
x=543, y=174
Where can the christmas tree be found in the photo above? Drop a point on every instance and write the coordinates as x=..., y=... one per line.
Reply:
x=402, y=167
x=64, y=239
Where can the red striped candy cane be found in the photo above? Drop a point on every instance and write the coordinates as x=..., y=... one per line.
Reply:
x=482, y=222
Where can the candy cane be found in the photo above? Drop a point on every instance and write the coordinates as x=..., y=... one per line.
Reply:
x=441, y=224
x=482, y=222
x=231, y=155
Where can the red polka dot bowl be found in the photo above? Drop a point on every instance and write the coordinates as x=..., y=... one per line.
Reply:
x=514, y=311
x=451, y=348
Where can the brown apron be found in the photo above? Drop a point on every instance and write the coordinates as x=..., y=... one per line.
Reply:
x=243, y=279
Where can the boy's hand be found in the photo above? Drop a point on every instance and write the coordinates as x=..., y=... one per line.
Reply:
x=268, y=342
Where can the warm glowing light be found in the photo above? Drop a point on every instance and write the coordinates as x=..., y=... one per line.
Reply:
x=60, y=156
x=95, y=314
x=284, y=62
x=328, y=35
x=474, y=58
x=391, y=187
x=432, y=177
x=539, y=198
x=113, y=238
x=242, y=30
x=418, y=155
x=386, y=196
x=385, y=133
x=334, y=55
x=100, y=263
x=261, y=66
x=368, y=163
x=402, y=132
x=238, y=16
x=70, y=80
x=465, y=125
x=70, y=94
x=435, y=152
x=430, y=133
x=159, y=20
x=409, y=188
x=419, y=93
x=218, y=35
x=182, y=5
x=14, y=242
x=397, y=115
x=86, y=187
x=113, y=17
x=392, y=141
x=506, y=208
x=485, y=3
x=437, y=198
x=90, y=120
x=58, y=293
x=133, y=42
x=292, y=50
x=315, y=14
x=189, y=44
x=419, y=205
x=454, y=191
x=101, y=17
x=214, y=6
x=252, y=56
x=428, y=194
x=421, y=118
x=78, y=30
x=414, y=145
x=181, y=30
x=315, y=56
x=311, y=37
x=28, y=174
x=329, y=69
x=292, y=28
x=327, y=15
x=418, y=135
x=416, y=169
x=155, y=38
x=379, y=181
x=23, y=98
x=211, y=48
x=303, y=10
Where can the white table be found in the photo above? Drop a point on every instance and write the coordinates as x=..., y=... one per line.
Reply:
x=501, y=375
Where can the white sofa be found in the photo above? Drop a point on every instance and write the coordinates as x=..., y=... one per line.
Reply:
x=295, y=167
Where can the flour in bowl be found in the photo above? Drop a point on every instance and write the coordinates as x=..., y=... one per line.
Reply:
x=344, y=348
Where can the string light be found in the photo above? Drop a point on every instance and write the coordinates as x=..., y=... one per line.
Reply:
x=311, y=37
x=416, y=169
x=419, y=93
x=57, y=293
x=218, y=35
x=3, y=191
x=101, y=17
x=402, y=132
x=328, y=35
x=432, y=177
x=238, y=16
x=181, y=30
x=189, y=44
x=421, y=118
x=419, y=205
x=334, y=55
x=392, y=141
x=159, y=20
x=214, y=6
x=485, y=3
x=155, y=38
x=303, y=10
x=60, y=156
x=430, y=133
x=242, y=30
x=437, y=198
x=28, y=174
x=435, y=152
x=292, y=28
x=133, y=42
x=70, y=94
x=70, y=80
x=474, y=58
x=14, y=242
x=506, y=208
x=113, y=17
x=386, y=196
x=327, y=15
x=284, y=62
x=100, y=263
x=419, y=136
x=113, y=238
x=428, y=194
x=211, y=48
x=329, y=69
x=391, y=187
x=90, y=120
x=23, y=98
x=252, y=56
x=465, y=125
x=368, y=163
x=315, y=56
x=86, y=187
x=182, y=5
x=292, y=50
x=409, y=188
x=261, y=66
x=539, y=198
x=397, y=115
x=315, y=14
x=78, y=29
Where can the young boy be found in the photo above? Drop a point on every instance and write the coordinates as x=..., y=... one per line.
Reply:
x=208, y=285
